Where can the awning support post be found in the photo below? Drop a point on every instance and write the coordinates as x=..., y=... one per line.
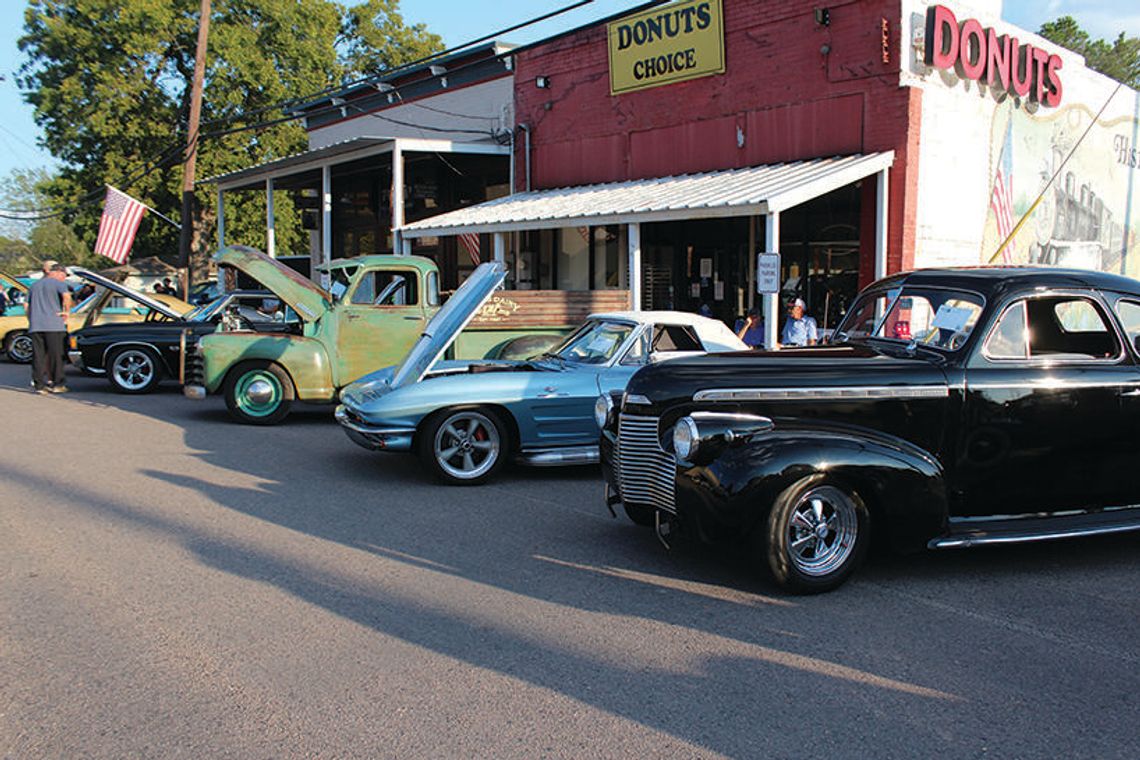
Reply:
x=270, y=221
x=881, y=199
x=326, y=221
x=500, y=250
x=771, y=300
x=634, y=236
x=397, y=199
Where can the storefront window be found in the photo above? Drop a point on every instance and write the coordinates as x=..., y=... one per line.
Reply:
x=573, y=264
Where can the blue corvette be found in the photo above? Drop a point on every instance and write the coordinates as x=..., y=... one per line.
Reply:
x=465, y=418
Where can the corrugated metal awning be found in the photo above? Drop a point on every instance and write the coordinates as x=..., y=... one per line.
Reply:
x=752, y=191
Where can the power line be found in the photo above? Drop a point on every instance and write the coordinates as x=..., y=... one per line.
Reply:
x=164, y=159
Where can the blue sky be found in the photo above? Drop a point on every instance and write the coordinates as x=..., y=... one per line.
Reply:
x=458, y=21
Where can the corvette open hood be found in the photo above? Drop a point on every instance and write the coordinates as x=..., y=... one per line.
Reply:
x=449, y=321
x=169, y=307
x=308, y=299
x=9, y=281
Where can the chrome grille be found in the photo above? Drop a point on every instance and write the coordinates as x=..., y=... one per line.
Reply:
x=195, y=369
x=645, y=471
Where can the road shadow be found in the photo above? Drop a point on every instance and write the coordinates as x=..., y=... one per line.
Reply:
x=544, y=535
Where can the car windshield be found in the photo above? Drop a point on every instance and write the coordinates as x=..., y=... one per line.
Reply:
x=595, y=342
x=935, y=317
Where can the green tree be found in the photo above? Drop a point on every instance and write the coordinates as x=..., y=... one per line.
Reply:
x=378, y=40
x=110, y=84
x=1119, y=59
x=26, y=243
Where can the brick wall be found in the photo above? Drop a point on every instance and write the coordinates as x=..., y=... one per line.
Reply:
x=793, y=89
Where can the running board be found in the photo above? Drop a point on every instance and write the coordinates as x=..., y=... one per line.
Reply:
x=974, y=532
x=569, y=455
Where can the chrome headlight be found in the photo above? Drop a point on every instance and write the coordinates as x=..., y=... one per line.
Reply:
x=686, y=438
x=603, y=410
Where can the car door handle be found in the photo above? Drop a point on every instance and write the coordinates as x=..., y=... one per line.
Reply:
x=414, y=319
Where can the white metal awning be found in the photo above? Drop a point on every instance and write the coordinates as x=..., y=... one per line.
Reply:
x=752, y=191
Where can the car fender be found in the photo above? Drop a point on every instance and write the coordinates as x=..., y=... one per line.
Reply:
x=903, y=485
x=409, y=405
x=111, y=348
x=304, y=359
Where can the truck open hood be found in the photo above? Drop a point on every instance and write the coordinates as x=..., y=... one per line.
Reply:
x=449, y=321
x=308, y=299
x=169, y=307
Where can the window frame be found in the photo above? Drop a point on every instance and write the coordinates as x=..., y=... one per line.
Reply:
x=1107, y=315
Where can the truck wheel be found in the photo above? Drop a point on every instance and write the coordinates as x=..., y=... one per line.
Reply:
x=818, y=533
x=133, y=370
x=463, y=447
x=640, y=514
x=18, y=347
x=258, y=393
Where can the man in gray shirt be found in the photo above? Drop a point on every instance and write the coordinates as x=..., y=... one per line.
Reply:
x=49, y=302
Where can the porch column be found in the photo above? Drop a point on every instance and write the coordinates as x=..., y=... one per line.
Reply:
x=500, y=251
x=326, y=220
x=771, y=300
x=270, y=221
x=634, y=236
x=398, y=199
x=221, y=221
x=881, y=196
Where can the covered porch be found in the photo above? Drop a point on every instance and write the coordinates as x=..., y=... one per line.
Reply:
x=618, y=215
x=355, y=197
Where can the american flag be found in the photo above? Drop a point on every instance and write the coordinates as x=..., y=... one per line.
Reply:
x=1001, y=199
x=470, y=241
x=121, y=217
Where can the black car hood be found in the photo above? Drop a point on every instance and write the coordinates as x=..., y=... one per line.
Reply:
x=855, y=366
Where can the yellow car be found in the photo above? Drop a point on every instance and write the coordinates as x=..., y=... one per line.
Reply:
x=101, y=307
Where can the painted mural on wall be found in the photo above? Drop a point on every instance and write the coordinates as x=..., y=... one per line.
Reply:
x=1089, y=217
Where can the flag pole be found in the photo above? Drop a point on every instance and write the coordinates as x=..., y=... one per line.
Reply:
x=187, y=226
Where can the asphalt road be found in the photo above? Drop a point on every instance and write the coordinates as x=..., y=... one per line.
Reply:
x=174, y=585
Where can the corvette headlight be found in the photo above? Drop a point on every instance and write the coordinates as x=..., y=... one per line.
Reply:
x=603, y=410
x=686, y=438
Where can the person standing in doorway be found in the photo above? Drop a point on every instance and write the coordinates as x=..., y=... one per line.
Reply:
x=49, y=301
x=799, y=330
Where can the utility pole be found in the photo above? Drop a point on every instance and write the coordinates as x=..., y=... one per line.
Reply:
x=192, y=148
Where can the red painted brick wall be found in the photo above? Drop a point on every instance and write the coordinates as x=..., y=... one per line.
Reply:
x=793, y=89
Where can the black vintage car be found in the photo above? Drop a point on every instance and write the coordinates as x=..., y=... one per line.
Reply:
x=952, y=408
x=136, y=356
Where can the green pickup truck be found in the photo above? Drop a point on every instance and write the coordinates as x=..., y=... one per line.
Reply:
x=376, y=307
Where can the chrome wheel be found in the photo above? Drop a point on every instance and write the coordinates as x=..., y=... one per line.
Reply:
x=822, y=531
x=20, y=348
x=467, y=445
x=133, y=370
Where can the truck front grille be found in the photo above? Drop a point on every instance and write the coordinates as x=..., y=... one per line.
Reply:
x=645, y=471
x=195, y=367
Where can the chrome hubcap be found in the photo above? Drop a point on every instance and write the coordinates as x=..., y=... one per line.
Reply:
x=133, y=369
x=259, y=392
x=467, y=445
x=22, y=348
x=822, y=531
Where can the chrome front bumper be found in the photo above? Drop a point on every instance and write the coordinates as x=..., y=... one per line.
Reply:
x=374, y=438
x=196, y=392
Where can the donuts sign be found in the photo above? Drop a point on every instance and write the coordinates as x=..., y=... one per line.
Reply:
x=1001, y=62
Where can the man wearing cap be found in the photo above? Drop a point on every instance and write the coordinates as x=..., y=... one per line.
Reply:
x=49, y=301
x=799, y=330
